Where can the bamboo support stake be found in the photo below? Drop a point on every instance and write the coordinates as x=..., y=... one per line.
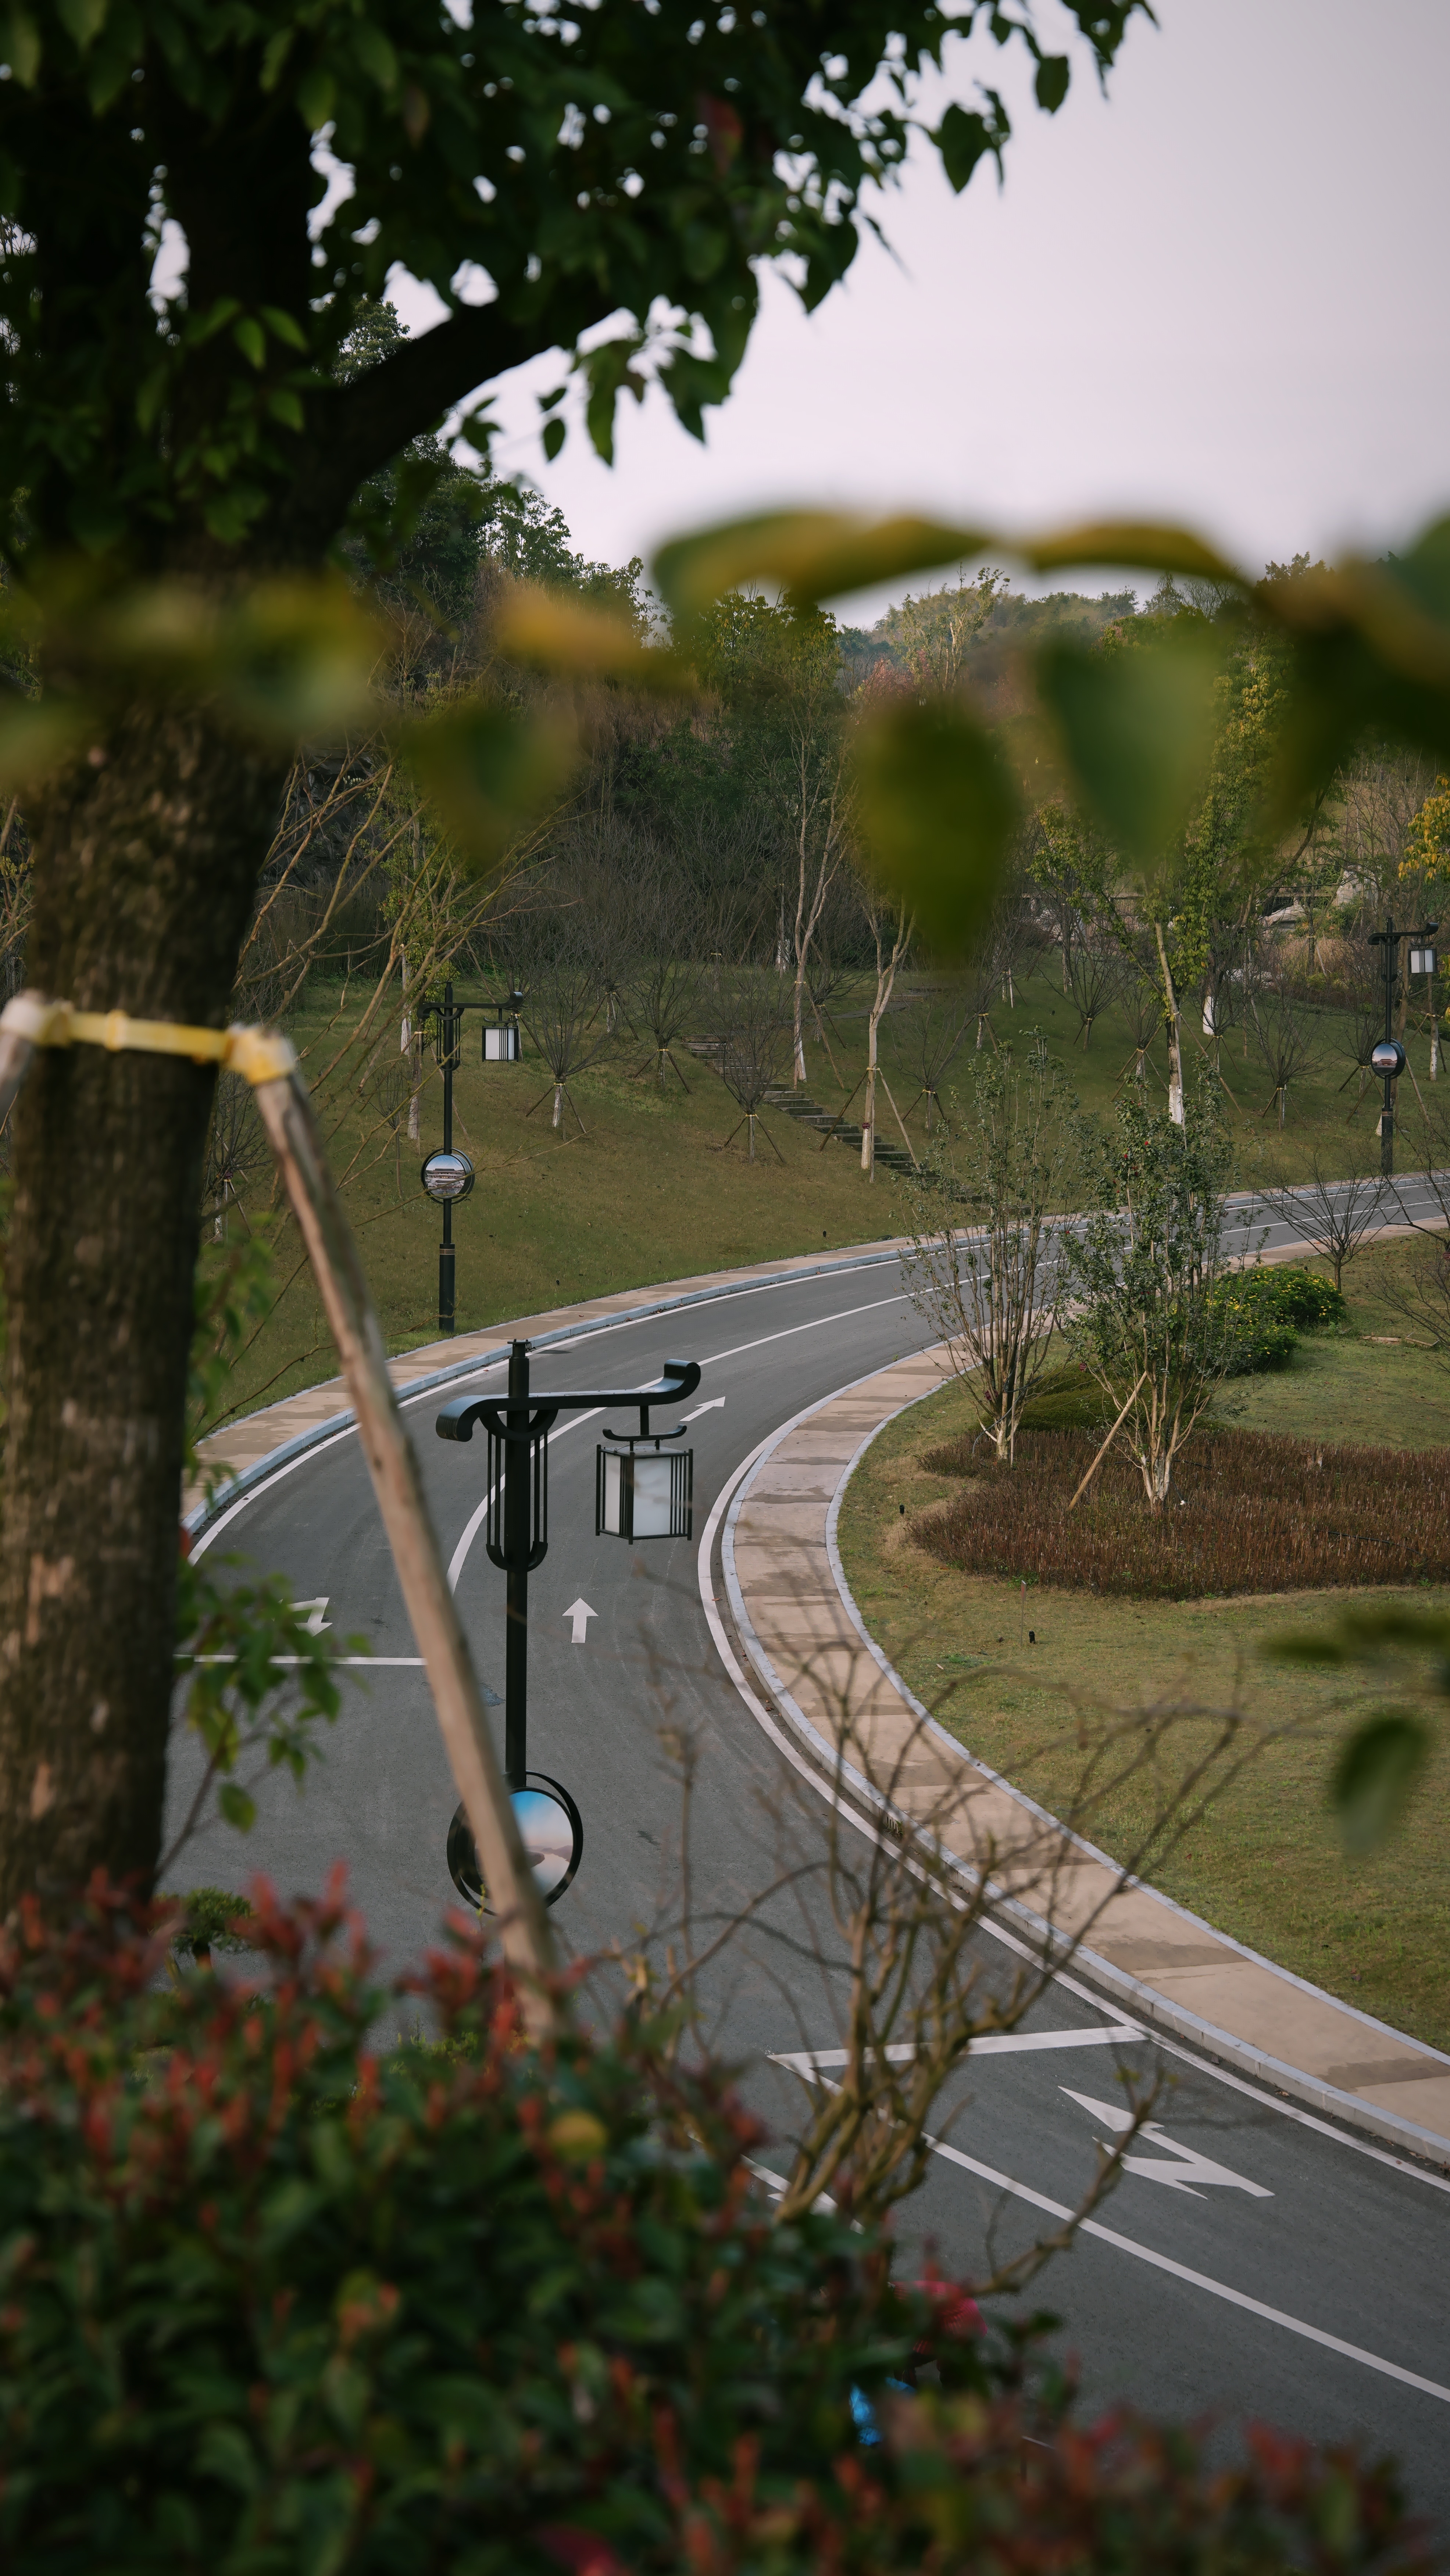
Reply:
x=1107, y=1444
x=286, y=1114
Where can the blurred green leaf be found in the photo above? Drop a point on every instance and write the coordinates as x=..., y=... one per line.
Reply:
x=489, y=772
x=1137, y=729
x=37, y=736
x=298, y=657
x=1374, y=1776
x=1131, y=545
x=1054, y=73
x=237, y=1808
x=812, y=554
x=938, y=809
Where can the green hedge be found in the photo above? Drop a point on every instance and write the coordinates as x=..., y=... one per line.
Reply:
x=1269, y=1308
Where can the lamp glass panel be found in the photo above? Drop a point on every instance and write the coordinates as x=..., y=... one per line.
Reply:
x=500, y=1046
x=652, y=1496
x=613, y=1491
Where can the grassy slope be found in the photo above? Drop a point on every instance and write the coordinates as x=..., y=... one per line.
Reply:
x=643, y=1197
x=1264, y=1862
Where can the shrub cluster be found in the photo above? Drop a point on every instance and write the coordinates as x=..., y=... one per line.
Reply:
x=1268, y=1310
x=270, y=2307
x=1249, y=1513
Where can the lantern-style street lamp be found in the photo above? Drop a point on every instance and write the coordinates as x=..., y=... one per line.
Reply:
x=516, y=1535
x=1388, y=1058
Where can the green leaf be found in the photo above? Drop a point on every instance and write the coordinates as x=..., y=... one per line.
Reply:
x=251, y=339
x=374, y=53
x=286, y=406
x=279, y=47
x=20, y=46
x=237, y=1808
x=1137, y=728
x=38, y=736
x=488, y=772
x=555, y=433
x=1128, y=545
x=297, y=658
x=1053, y=75
x=82, y=20
x=938, y=809
x=814, y=554
x=316, y=95
x=284, y=326
x=964, y=138
x=1374, y=1776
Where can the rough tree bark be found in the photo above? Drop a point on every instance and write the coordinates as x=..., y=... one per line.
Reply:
x=145, y=862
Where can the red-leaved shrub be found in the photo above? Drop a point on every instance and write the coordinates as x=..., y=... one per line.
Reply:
x=272, y=2306
x=1248, y=1513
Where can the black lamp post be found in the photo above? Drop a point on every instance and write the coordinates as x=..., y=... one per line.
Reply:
x=448, y=1177
x=517, y=1538
x=1388, y=1058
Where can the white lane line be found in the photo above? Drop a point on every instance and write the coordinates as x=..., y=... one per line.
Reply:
x=843, y=1316
x=1196, y=2280
x=996, y=2043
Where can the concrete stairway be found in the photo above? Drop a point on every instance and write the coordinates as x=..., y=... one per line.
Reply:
x=796, y=1104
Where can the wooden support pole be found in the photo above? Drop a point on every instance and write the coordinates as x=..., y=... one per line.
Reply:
x=1107, y=1444
x=286, y=1115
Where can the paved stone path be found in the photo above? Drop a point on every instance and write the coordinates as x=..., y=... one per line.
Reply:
x=809, y=1646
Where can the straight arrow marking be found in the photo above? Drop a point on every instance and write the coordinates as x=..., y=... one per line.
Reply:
x=580, y=1612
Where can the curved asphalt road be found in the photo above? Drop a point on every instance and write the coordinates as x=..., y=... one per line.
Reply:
x=1255, y=2263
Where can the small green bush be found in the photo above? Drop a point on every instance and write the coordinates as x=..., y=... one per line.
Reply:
x=1270, y=1307
x=208, y=1916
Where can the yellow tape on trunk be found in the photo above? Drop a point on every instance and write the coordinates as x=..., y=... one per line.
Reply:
x=257, y=1054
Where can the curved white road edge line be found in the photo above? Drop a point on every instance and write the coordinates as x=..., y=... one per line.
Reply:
x=1128, y=1991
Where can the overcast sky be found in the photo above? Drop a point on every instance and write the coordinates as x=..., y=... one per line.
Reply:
x=1217, y=294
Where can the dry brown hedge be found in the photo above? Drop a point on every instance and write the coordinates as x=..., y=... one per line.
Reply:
x=1252, y=1513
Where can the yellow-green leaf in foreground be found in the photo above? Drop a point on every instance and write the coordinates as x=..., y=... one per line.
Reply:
x=556, y=633
x=38, y=736
x=298, y=658
x=1127, y=545
x=488, y=772
x=810, y=554
x=1136, y=727
x=937, y=808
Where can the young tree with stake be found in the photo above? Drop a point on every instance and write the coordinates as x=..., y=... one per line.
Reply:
x=983, y=1270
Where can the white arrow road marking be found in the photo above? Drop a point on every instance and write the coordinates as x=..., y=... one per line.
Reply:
x=1181, y=2271
x=316, y=1623
x=580, y=1612
x=996, y=2043
x=715, y=1405
x=1191, y=2167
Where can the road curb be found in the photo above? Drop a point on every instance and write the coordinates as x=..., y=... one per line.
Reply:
x=1128, y=1992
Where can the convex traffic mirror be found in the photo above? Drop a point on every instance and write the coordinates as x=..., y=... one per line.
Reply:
x=1389, y=1057
x=447, y=1176
x=550, y=1828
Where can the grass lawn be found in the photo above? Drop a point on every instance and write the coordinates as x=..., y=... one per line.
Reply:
x=645, y=1195
x=1264, y=1861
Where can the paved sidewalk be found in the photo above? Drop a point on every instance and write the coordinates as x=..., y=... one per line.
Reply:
x=809, y=1646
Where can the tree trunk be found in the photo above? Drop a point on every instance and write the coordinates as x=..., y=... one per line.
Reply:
x=145, y=864
x=1175, y=1034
